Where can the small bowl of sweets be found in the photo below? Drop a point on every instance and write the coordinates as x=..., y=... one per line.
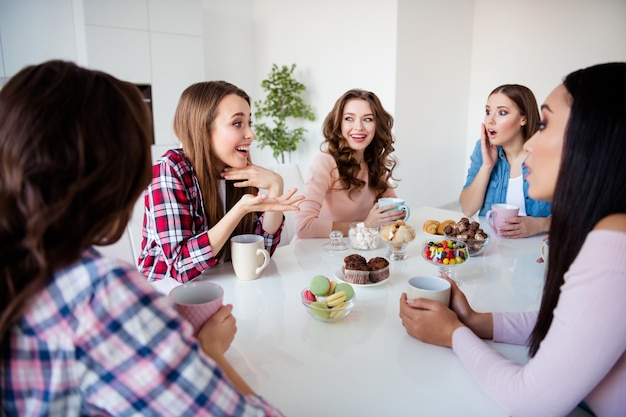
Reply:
x=469, y=232
x=359, y=271
x=363, y=236
x=397, y=236
x=326, y=300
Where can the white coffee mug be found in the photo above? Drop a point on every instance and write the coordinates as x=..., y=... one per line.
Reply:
x=433, y=288
x=397, y=203
x=249, y=256
x=495, y=217
x=197, y=301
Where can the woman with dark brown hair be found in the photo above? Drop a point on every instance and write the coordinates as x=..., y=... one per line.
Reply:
x=208, y=191
x=353, y=170
x=497, y=171
x=81, y=334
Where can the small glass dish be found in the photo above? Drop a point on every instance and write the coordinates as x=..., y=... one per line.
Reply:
x=363, y=236
x=320, y=311
x=397, y=236
x=475, y=247
x=336, y=243
x=447, y=254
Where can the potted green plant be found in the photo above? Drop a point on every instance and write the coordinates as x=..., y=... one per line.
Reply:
x=282, y=104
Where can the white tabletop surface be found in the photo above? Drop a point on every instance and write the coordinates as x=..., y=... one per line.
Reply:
x=366, y=364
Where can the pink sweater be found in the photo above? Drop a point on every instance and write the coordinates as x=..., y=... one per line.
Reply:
x=583, y=355
x=324, y=205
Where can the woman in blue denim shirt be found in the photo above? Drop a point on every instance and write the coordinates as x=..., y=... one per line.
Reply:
x=497, y=172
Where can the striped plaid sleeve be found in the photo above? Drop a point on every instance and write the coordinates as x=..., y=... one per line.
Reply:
x=148, y=363
x=271, y=240
x=100, y=340
x=176, y=200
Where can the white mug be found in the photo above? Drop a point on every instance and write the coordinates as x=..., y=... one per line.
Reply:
x=398, y=204
x=249, y=256
x=433, y=288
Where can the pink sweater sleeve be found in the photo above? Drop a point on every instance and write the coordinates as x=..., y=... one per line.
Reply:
x=513, y=328
x=326, y=202
x=583, y=355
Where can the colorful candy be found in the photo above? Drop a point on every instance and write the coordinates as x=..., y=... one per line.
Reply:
x=446, y=252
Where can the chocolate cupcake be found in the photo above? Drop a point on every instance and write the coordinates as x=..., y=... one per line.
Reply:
x=356, y=276
x=355, y=270
x=354, y=261
x=379, y=269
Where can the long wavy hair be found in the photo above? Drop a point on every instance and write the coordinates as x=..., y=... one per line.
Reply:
x=377, y=155
x=591, y=182
x=526, y=102
x=193, y=121
x=74, y=158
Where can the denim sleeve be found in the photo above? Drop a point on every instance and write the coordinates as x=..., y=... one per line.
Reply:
x=476, y=161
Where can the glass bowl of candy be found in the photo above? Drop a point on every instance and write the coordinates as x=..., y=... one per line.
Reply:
x=446, y=253
x=475, y=247
x=328, y=308
x=469, y=232
x=397, y=236
x=363, y=236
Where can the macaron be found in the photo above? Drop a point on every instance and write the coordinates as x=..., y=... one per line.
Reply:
x=320, y=285
x=318, y=310
x=309, y=295
x=336, y=299
x=331, y=290
x=336, y=311
x=347, y=288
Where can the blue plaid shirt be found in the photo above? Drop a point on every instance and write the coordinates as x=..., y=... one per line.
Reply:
x=100, y=341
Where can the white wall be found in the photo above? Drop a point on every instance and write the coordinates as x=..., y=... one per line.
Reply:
x=23, y=43
x=537, y=43
x=337, y=45
x=431, y=63
x=433, y=74
x=452, y=53
x=157, y=42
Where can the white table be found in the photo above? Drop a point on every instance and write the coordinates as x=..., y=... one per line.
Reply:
x=366, y=364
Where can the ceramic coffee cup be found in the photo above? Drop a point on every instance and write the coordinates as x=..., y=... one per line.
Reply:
x=249, y=256
x=397, y=203
x=495, y=217
x=433, y=288
x=197, y=301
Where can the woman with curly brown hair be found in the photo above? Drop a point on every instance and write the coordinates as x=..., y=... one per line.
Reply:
x=353, y=170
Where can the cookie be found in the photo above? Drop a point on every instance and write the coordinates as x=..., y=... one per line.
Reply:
x=443, y=224
x=430, y=226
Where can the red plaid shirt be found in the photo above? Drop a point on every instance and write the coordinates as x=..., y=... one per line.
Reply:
x=175, y=241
